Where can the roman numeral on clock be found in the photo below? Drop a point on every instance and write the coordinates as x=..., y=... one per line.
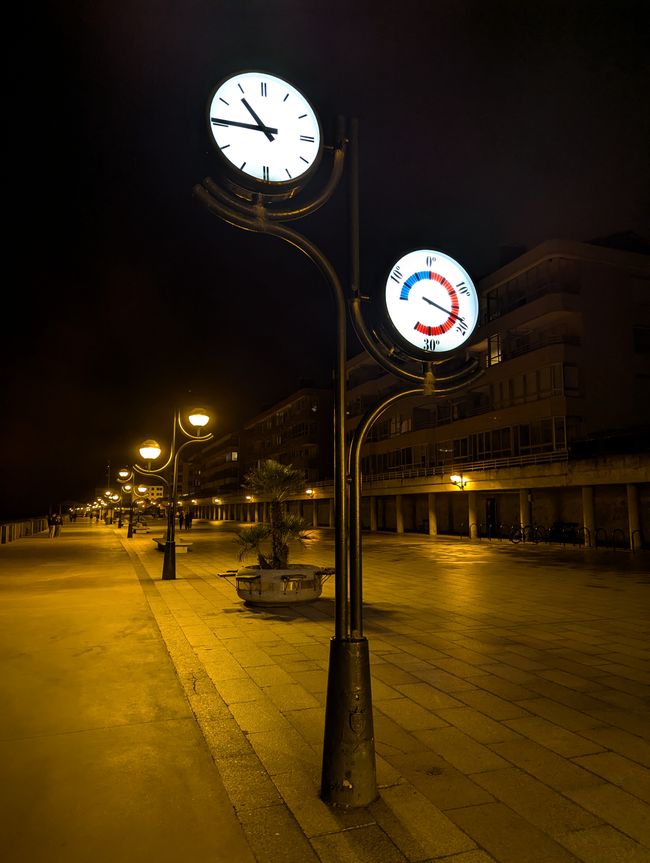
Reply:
x=309, y=138
x=265, y=172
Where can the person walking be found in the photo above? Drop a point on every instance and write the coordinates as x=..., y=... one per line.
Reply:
x=50, y=525
x=181, y=518
x=188, y=521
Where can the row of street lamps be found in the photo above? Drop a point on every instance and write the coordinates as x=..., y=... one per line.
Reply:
x=150, y=451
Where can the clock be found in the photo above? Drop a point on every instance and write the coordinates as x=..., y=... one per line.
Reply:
x=431, y=303
x=266, y=133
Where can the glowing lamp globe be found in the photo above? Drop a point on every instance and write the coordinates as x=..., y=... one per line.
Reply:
x=150, y=449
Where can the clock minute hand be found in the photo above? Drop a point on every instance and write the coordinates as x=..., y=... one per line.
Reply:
x=446, y=311
x=261, y=125
x=219, y=121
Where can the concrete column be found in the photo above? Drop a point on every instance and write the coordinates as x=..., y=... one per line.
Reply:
x=433, y=515
x=314, y=513
x=373, y=513
x=525, y=506
x=588, y=514
x=399, y=514
x=633, y=516
x=331, y=512
x=471, y=514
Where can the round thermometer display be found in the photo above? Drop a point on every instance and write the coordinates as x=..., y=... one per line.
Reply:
x=431, y=302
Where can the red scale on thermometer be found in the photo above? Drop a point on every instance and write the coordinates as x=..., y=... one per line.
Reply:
x=431, y=302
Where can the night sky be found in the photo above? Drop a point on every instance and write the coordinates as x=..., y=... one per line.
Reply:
x=482, y=125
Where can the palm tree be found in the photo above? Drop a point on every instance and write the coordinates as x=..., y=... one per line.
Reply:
x=277, y=482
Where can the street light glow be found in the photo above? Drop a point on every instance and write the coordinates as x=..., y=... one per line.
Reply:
x=150, y=450
x=199, y=417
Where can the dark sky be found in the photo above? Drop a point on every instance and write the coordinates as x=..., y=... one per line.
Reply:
x=482, y=124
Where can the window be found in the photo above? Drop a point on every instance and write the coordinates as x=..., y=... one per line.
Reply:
x=494, y=349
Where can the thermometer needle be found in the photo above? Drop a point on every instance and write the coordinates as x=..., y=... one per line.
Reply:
x=451, y=314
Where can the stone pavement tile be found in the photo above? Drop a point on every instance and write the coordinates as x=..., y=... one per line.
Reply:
x=623, y=742
x=445, y=682
x=391, y=738
x=459, y=749
x=254, y=716
x=503, y=688
x=551, y=769
x=301, y=792
x=635, y=722
x=274, y=835
x=458, y=667
x=270, y=675
x=535, y=802
x=604, y=845
x=640, y=675
x=444, y=785
x=221, y=667
x=493, y=706
x=471, y=857
x=386, y=774
x=367, y=844
x=290, y=697
x=309, y=723
x=466, y=654
x=238, y=689
x=563, y=742
x=249, y=656
x=248, y=784
x=426, y=695
x=621, y=771
x=622, y=699
x=508, y=657
x=616, y=807
x=507, y=672
x=479, y=726
x=416, y=826
x=284, y=749
x=408, y=714
x=558, y=692
x=382, y=692
x=313, y=680
x=404, y=660
x=390, y=673
x=571, y=681
x=507, y=836
x=566, y=717
x=632, y=687
x=423, y=651
x=314, y=650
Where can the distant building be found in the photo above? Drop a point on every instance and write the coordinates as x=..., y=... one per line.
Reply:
x=555, y=433
x=557, y=430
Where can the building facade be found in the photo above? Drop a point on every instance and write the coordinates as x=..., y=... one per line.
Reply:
x=555, y=434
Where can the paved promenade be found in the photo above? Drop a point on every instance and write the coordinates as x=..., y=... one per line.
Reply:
x=157, y=720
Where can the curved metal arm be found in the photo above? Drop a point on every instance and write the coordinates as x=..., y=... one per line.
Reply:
x=358, y=438
x=249, y=210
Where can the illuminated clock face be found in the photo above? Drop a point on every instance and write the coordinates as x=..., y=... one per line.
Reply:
x=265, y=130
x=431, y=302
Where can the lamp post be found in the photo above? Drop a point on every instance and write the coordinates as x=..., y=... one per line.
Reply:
x=150, y=450
x=348, y=776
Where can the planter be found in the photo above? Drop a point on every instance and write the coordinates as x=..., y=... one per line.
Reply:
x=301, y=582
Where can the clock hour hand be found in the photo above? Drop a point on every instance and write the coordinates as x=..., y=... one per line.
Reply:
x=446, y=311
x=261, y=125
x=218, y=121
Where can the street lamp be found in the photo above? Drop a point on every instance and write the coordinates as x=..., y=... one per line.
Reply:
x=150, y=450
x=459, y=480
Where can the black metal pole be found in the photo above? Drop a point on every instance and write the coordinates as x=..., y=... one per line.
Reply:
x=169, y=560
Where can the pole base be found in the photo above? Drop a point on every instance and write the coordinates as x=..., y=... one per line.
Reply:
x=349, y=773
x=169, y=561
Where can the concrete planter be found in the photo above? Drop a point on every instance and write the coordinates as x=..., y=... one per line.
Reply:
x=301, y=582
